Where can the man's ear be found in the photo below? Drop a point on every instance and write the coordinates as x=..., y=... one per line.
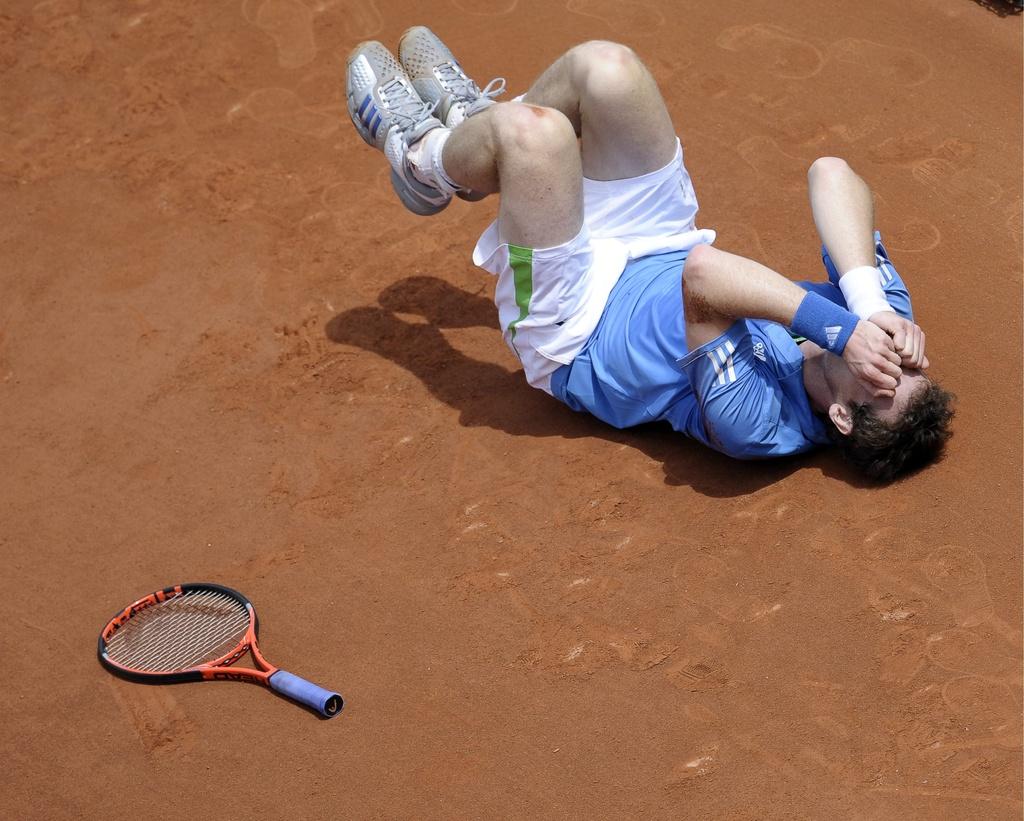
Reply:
x=841, y=418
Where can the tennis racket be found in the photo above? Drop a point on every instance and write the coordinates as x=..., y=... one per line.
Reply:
x=196, y=632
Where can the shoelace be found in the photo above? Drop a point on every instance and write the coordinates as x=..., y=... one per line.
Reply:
x=407, y=109
x=464, y=88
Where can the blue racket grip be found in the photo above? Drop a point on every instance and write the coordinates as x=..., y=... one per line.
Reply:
x=325, y=702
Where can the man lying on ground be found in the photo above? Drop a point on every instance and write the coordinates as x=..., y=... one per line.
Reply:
x=612, y=298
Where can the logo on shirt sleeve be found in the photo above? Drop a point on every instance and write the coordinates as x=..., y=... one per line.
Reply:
x=759, y=351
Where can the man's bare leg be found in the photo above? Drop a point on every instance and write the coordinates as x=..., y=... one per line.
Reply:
x=598, y=91
x=614, y=106
x=530, y=155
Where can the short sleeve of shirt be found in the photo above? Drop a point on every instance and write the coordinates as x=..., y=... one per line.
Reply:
x=737, y=386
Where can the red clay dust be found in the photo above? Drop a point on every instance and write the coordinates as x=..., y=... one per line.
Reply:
x=228, y=354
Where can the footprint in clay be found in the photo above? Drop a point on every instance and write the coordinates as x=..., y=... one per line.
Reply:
x=282, y=108
x=290, y=25
x=780, y=53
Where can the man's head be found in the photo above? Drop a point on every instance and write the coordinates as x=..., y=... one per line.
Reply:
x=886, y=436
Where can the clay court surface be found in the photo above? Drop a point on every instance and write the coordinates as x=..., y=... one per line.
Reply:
x=227, y=354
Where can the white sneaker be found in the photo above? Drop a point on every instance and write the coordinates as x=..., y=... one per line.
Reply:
x=390, y=116
x=439, y=79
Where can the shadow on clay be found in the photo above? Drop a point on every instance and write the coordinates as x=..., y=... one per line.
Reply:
x=489, y=395
x=1000, y=8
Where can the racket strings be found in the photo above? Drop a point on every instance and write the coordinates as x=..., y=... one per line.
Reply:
x=167, y=638
x=200, y=640
x=185, y=633
x=193, y=637
x=180, y=633
x=195, y=634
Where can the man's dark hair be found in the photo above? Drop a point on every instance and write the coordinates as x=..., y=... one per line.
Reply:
x=885, y=451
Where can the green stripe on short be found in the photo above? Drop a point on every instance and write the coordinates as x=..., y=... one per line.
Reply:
x=521, y=260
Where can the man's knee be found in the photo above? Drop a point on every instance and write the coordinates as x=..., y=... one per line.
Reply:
x=826, y=167
x=532, y=129
x=597, y=55
x=604, y=67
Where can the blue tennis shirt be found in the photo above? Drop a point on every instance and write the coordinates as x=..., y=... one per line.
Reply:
x=741, y=394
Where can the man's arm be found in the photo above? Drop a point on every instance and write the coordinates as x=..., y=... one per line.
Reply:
x=844, y=215
x=719, y=288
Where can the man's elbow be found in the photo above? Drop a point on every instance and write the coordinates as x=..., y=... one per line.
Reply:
x=824, y=169
x=698, y=273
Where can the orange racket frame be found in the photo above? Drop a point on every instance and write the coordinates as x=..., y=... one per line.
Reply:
x=326, y=703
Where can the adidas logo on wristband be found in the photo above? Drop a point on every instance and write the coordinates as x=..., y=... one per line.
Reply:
x=824, y=322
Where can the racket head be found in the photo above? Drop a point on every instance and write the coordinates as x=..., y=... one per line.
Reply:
x=171, y=634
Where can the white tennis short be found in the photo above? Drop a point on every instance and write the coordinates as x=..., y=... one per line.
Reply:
x=551, y=299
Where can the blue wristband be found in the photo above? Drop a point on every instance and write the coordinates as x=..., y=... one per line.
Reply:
x=824, y=323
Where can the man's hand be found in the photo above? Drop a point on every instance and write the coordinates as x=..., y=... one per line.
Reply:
x=871, y=356
x=907, y=338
